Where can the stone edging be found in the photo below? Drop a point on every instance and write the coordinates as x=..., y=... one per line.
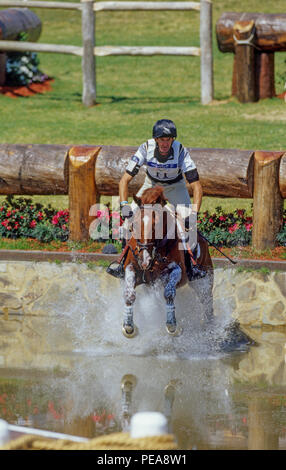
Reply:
x=76, y=256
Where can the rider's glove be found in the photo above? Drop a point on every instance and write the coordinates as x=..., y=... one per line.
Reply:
x=126, y=212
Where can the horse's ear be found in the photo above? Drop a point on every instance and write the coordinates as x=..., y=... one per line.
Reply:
x=137, y=200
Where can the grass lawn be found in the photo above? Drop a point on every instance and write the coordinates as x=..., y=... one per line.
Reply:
x=133, y=92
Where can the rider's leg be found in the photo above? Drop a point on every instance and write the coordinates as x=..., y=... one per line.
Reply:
x=172, y=280
x=129, y=299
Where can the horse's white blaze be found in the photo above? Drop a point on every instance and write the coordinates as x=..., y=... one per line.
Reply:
x=147, y=226
x=146, y=259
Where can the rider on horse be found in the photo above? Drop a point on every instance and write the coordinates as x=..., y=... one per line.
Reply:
x=167, y=163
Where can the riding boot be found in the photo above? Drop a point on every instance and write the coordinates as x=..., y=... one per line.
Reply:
x=117, y=270
x=193, y=270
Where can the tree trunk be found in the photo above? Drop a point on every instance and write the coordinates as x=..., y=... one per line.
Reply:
x=267, y=200
x=82, y=190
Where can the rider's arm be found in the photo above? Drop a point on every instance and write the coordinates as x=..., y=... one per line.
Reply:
x=131, y=170
x=197, y=194
x=123, y=187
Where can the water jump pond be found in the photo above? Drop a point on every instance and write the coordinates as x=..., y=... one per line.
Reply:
x=66, y=367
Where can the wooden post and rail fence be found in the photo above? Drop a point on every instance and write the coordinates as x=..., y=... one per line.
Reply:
x=88, y=51
x=86, y=172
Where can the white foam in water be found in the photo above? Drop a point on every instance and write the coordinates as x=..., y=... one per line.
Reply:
x=92, y=321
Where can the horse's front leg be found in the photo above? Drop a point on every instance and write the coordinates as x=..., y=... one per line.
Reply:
x=128, y=327
x=171, y=281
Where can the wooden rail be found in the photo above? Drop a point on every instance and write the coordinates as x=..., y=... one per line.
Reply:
x=89, y=51
x=87, y=172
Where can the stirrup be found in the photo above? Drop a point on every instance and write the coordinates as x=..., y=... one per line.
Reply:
x=129, y=331
x=117, y=271
x=173, y=330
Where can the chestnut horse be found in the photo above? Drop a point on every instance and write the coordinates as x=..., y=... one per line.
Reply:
x=150, y=258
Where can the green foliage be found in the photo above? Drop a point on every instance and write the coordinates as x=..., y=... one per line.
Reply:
x=281, y=237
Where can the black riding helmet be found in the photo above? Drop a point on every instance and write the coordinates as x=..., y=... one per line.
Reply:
x=164, y=128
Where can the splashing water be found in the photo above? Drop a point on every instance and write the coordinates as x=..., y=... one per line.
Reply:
x=92, y=321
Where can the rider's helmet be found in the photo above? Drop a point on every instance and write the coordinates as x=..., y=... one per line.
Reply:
x=164, y=128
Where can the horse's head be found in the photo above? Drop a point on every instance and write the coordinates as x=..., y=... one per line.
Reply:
x=150, y=217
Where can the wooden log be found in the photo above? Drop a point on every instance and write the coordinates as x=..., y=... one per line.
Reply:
x=43, y=169
x=246, y=90
x=15, y=21
x=88, y=60
x=103, y=51
x=267, y=200
x=41, y=4
x=223, y=172
x=82, y=190
x=207, y=81
x=270, y=30
x=264, y=75
x=146, y=6
x=282, y=176
x=33, y=169
x=23, y=46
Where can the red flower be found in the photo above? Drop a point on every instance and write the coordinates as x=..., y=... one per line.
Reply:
x=248, y=227
x=33, y=224
x=222, y=218
x=211, y=220
x=55, y=220
x=240, y=212
x=233, y=228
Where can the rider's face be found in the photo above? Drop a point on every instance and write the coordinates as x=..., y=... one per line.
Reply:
x=164, y=144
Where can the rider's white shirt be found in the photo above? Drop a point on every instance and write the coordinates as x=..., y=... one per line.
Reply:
x=178, y=162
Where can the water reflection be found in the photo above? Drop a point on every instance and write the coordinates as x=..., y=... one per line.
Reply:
x=236, y=401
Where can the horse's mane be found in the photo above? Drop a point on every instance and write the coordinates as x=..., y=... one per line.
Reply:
x=154, y=196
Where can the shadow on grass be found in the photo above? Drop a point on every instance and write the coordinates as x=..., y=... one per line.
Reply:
x=151, y=99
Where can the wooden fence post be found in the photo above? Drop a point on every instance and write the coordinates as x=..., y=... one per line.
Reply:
x=88, y=58
x=245, y=79
x=267, y=200
x=207, y=87
x=82, y=190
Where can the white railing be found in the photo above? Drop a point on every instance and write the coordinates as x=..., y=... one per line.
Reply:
x=88, y=51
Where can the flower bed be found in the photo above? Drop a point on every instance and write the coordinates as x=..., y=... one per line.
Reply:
x=31, y=226
x=232, y=229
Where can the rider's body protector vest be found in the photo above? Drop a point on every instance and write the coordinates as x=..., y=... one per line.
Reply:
x=160, y=169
